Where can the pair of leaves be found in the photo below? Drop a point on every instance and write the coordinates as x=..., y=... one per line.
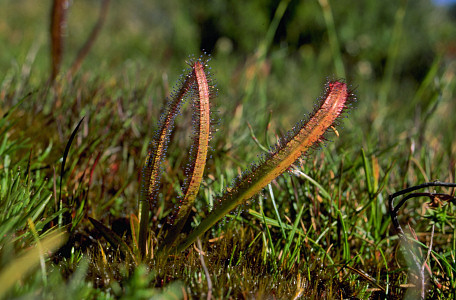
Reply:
x=196, y=84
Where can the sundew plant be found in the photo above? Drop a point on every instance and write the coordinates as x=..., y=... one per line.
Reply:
x=198, y=86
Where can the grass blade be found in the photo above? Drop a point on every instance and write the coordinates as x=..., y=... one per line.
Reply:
x=291, y=235
x=65, y=155
x=112, y=238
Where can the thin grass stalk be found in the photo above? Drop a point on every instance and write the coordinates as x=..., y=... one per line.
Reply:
x=57, y=26
x=265, y=45
x=391, y=62
x=333, y=40
x=91, y=39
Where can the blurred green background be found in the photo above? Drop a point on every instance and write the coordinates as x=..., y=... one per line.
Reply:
x=398, y=55
x=156, y=37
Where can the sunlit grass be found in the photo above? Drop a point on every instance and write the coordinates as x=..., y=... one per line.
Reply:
x=320, y=230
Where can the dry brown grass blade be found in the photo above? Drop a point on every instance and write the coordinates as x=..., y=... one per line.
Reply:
x=368, y=278
x=58, y=24
x=91, y=39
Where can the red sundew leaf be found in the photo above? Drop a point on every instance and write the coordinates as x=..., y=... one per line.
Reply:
x=202, y=92
x=151, y=173
x=201, y=140
x=152, y=169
